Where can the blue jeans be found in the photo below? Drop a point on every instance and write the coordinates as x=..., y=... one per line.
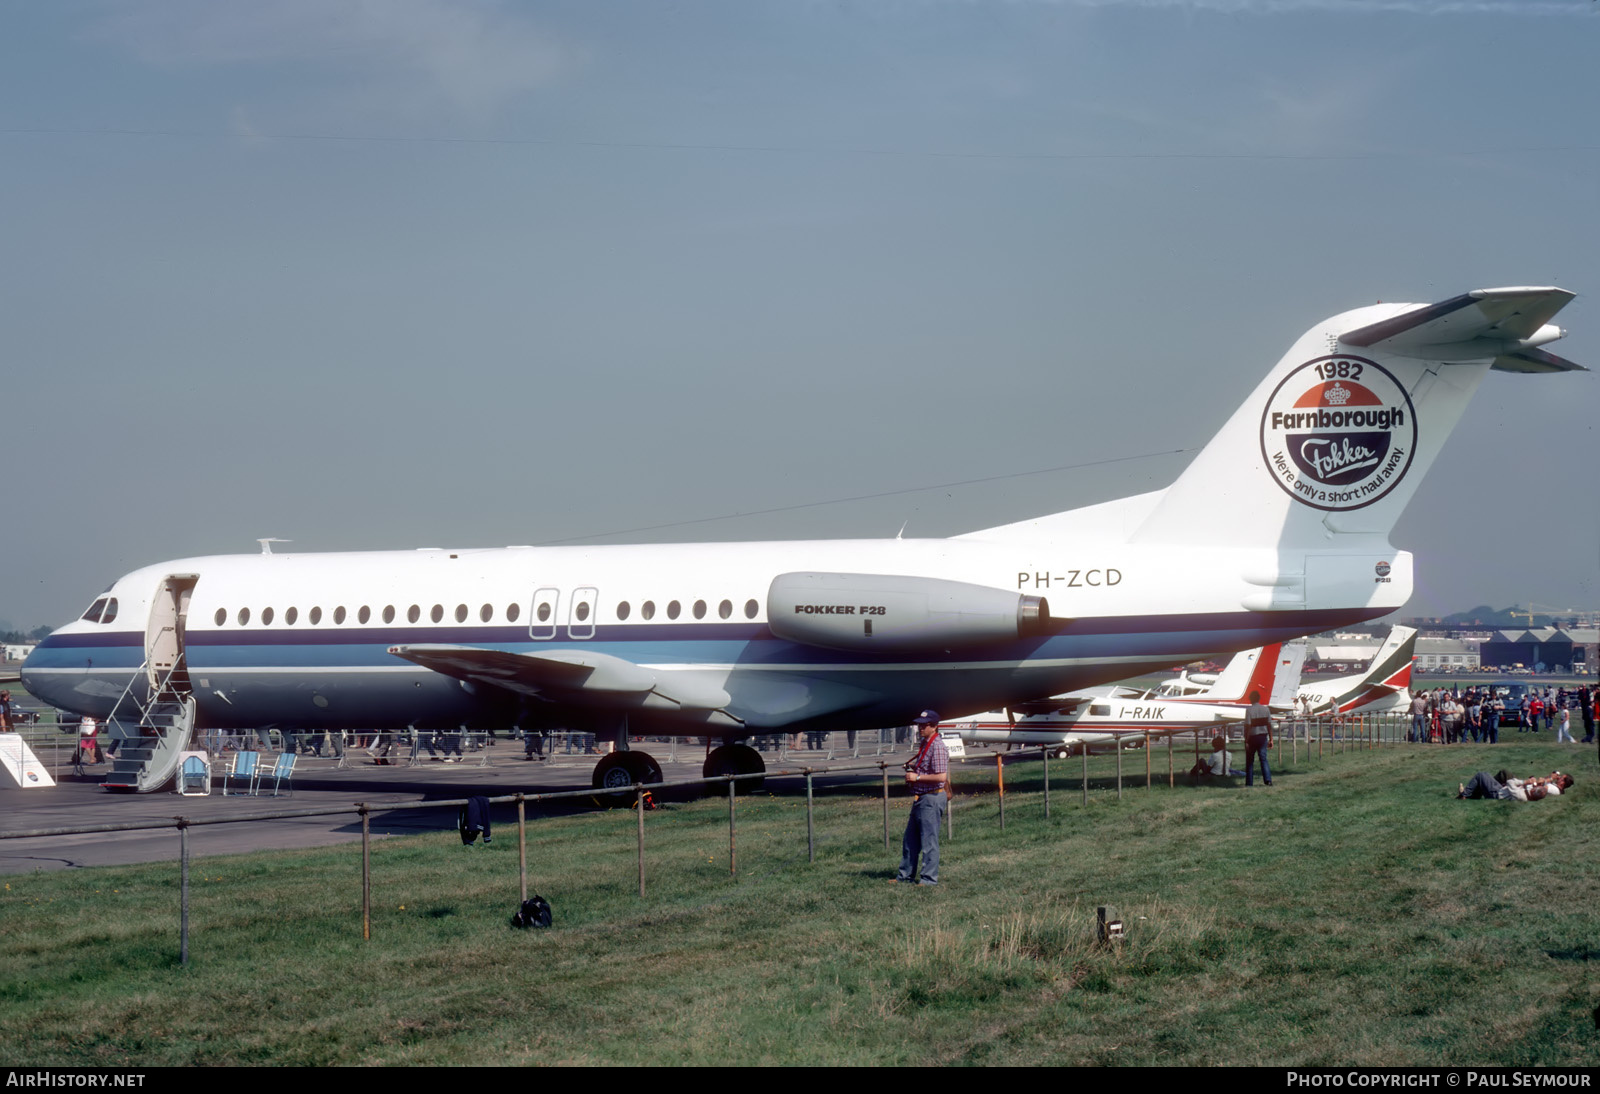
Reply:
x=922, y=839
x=1253, y=747
x=1483, y=785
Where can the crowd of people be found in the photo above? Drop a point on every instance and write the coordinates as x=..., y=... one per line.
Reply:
x=1444, y=717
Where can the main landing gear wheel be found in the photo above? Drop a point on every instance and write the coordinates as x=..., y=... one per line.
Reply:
x=735, y=760
x=618, y=771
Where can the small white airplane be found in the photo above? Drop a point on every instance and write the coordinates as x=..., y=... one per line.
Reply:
x=1277, y=529
x=1192, y=702
x=1123, y=715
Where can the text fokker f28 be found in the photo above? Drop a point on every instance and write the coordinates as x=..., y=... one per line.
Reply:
x=1278, y=528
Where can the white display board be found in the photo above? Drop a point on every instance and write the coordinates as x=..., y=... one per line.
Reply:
x=21, y=764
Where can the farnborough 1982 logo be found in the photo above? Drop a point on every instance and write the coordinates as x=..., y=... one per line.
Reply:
x=1339, y=432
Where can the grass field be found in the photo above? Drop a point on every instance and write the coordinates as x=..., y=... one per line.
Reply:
x=1355, y=913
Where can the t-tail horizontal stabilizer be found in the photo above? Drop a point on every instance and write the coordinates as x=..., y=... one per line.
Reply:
x=1319, y=462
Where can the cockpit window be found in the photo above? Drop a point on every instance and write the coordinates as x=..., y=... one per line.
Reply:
x=93, y=614
x=111, y=610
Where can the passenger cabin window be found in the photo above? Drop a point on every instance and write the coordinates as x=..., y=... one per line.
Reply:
x=316, y=616
x=673, y=609
x=647, y=610
x=461, y=613
x=486, y=612
x=388, y=613
x=290, y=615
x=413, y=614
x=221, y=617
x=364, y=614
x=750, y=609
x=338, y=615
x=437, y=614
x=266, y=617
x=725, y=609
x=244, y=616
x=512, y=611
x=623, y=610
x=699, y=609
x=581, y=611
x=1100, y=710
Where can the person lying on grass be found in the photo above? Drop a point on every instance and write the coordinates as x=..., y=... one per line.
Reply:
x=1505, y=788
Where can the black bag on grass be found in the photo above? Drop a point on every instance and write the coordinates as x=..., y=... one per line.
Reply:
x=535, y=912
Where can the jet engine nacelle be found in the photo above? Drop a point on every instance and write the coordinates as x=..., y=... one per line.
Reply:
x=893, y=612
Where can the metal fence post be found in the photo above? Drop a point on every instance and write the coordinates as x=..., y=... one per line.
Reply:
x=1044, y=759
x=733, y=861
x=1085, y=747
x=1117, y=740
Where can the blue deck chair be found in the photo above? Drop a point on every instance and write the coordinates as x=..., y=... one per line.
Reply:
x=280, y=773
x=195, y=778
x=244, y=767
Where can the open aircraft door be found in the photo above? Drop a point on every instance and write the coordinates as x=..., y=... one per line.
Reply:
x=164, y=633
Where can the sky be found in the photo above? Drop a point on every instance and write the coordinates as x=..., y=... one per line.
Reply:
x=397, y=273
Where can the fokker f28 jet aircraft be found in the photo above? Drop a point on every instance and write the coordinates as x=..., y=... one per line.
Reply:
x=1279, y=528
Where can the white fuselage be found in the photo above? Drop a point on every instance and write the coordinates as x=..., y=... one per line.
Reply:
x=304, y=639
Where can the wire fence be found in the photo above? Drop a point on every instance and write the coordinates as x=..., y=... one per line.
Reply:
x=1165, y=757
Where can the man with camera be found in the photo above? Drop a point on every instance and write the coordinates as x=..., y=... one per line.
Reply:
x=928, y=778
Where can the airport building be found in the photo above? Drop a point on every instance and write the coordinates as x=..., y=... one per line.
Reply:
x=1547, y=649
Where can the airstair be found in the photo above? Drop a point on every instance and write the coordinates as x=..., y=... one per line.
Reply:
x=149, y=755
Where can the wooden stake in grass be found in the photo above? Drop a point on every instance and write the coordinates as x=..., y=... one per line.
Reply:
x=638, y=803
x=883, y=768
x=366, y=872
x=183, y=898
x=1000, y=783
x=811, y=826
x=522, y=851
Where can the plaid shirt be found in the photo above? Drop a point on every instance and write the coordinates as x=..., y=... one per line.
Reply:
x=932, y=759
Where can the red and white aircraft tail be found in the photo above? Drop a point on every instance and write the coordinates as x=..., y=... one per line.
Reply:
x=1272, y=671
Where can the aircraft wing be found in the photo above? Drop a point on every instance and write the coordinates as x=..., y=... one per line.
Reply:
x=585, y=677
x=1507, y=325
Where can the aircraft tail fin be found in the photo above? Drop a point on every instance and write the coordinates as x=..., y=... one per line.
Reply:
x=1337, y=437
x=1286, y=683
x=1385, y=685
x=1272, y=671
